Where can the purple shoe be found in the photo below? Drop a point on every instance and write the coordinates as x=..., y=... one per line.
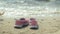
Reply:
x=33, y=24
x=21, y=23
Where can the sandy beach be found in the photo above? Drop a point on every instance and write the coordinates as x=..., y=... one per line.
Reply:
x=47, y=25
x=47, y=15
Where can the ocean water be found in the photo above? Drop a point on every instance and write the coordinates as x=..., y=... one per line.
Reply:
x=24, y=8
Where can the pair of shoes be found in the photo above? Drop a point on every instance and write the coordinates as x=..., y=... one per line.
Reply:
x=24, y=22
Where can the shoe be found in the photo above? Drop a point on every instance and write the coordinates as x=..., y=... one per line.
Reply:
x=21, y=23
x=33, y=23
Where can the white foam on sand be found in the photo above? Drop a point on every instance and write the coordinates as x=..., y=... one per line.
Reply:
x=28, y=11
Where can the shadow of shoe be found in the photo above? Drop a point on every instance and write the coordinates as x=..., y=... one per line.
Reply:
x=34, y=28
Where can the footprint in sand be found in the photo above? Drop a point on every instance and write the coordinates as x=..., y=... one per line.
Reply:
x=1, y=19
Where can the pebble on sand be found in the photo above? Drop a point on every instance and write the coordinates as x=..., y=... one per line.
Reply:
x=1, y=19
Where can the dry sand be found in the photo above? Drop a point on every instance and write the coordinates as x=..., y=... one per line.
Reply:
x=47, y=25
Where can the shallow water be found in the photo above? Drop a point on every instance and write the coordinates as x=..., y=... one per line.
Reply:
x=28, y=7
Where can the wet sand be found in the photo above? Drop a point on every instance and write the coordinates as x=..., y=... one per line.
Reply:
x=47, y=25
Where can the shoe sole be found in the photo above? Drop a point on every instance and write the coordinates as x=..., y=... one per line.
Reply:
x=20, y=26
x=33, y=27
